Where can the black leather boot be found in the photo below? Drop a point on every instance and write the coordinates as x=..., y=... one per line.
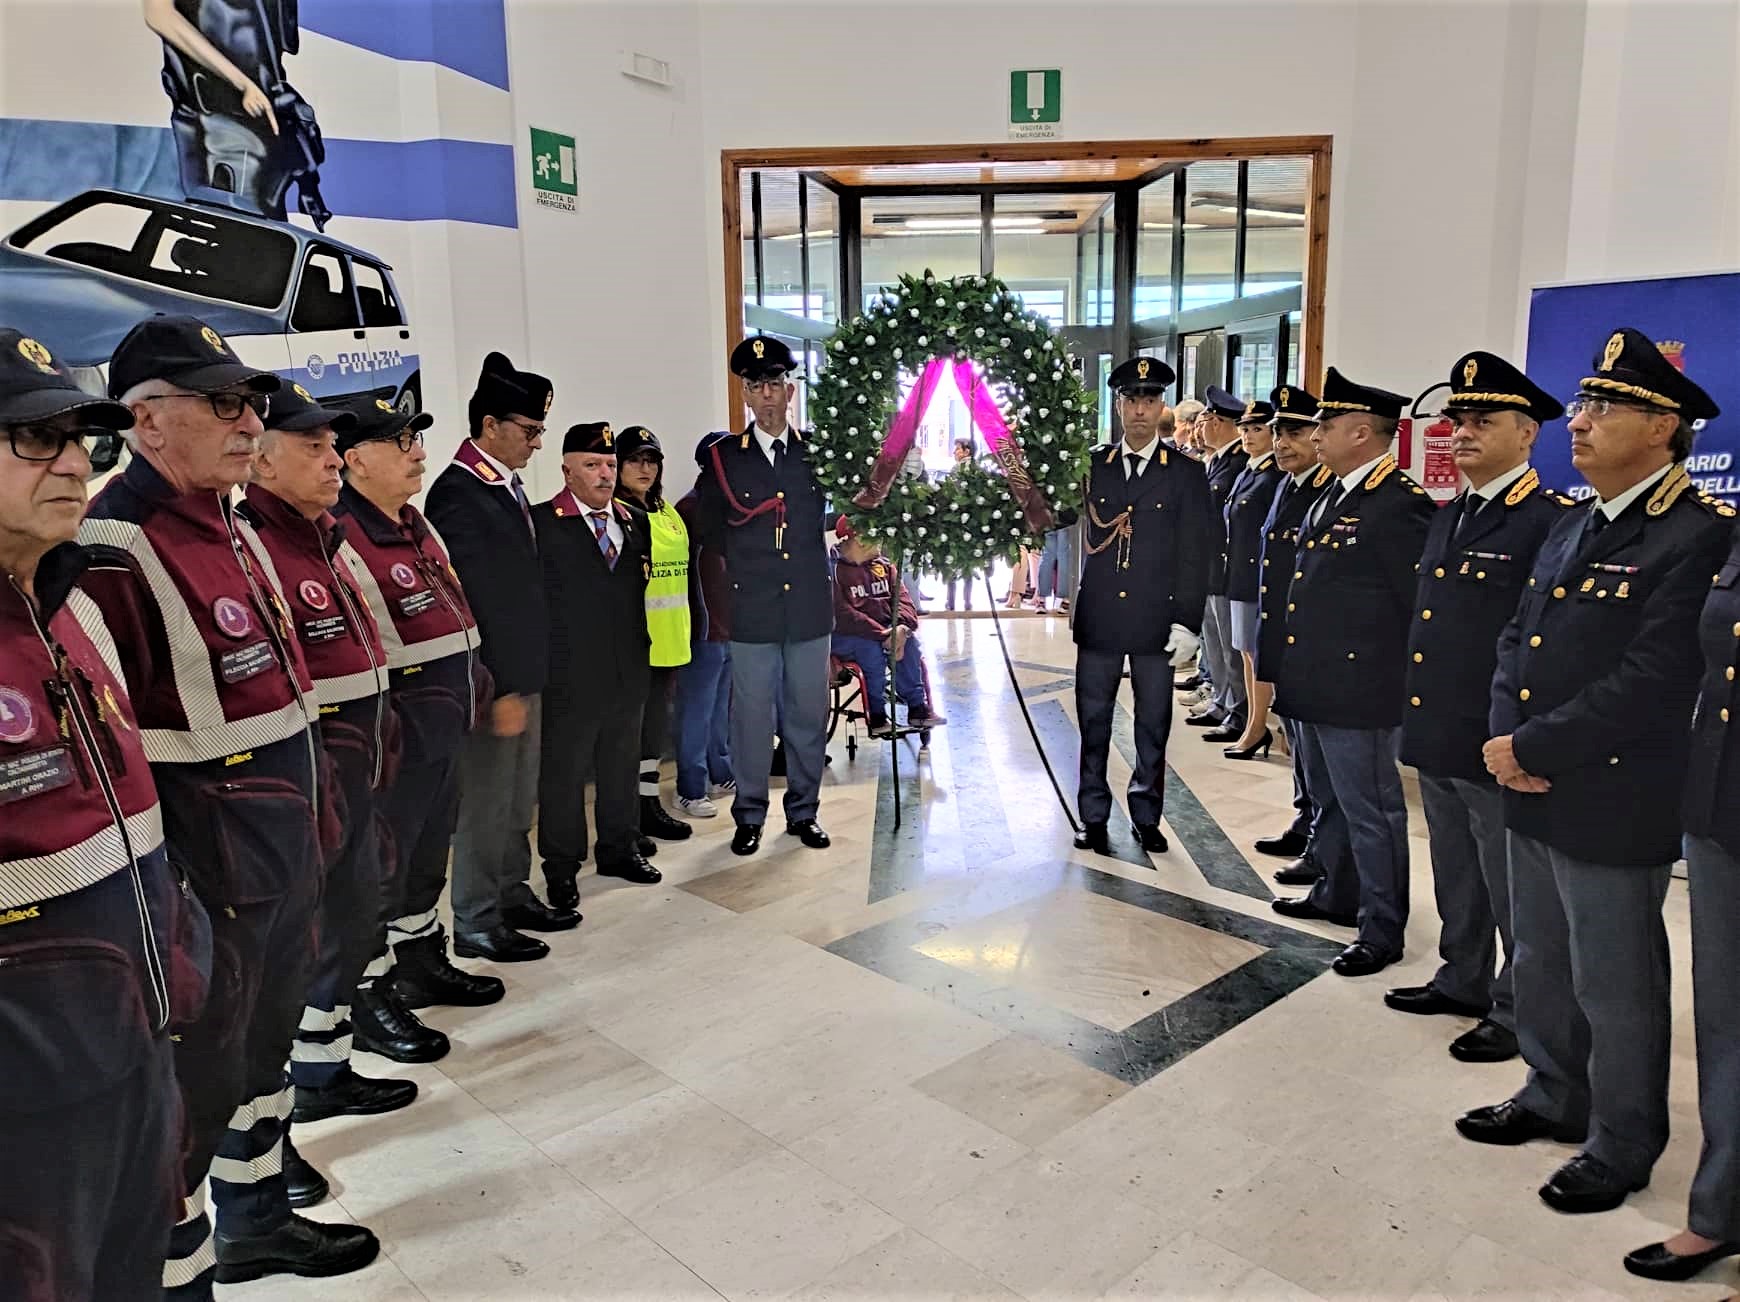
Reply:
x=656, y=820
x=381, y=1024
x=303, y=1185
x=423, y=975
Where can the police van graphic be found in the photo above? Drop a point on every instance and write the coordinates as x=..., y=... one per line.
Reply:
x=318, y=311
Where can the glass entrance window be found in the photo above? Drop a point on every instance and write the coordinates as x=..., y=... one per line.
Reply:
x=1054, y=251
x=822, y=213
x=909, y=234
x=1211, y=208
x=1154, y=251
x=1275, y=224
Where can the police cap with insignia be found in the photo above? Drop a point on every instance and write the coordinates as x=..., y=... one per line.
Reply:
x=1221, y=403
x=34, y=386
x=294, y=411
x=1486, y=382
x=1141, y=375
x=503, y=390
x=1257, y=412
x=1631, y=367
x=637, y=440
x=188, y=353
x=375, y=420
x=761, y=358
x=1293, y=405
x=1341, y=395
x=595, y=436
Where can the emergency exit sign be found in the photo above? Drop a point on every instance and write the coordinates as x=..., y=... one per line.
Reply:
x=1035, y=103
x=555, y=180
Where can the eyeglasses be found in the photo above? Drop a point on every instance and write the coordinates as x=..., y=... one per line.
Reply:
x=1596, y=408
x=406, y=439
x=531, y=431
x=774, y=385
x=47, y=442
x=227, y=405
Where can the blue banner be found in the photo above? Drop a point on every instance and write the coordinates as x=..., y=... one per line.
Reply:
x=1697, y=318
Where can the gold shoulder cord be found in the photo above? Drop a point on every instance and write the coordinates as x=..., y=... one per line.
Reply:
x=1669, y=490
x=1117, y=529
x=1523, y=487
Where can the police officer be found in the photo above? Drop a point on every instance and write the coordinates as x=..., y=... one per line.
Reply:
x=225, y=703
x=1597, y=675
x=1224, y=459
x=597, y=555
x=480, y=506
x=90, y=985
x=762, y=506
x=1479, y=551
x=1348, y=609
x=1248, y=505
x=1712, y=823
x=1147, y=533
x=295, y=482
x=439, y=690
x=1305, y=480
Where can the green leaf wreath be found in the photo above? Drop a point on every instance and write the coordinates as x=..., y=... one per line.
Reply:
x=962, y=523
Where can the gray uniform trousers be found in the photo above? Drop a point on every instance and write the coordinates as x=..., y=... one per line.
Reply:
x=1229, y=701
x=792, y=677
x=1592, y=1016
x=492, y=848
x=1362, y=833
x=1715, y=883
x=1304, y=808
x=1471, y=879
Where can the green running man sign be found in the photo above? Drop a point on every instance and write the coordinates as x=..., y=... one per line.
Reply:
x=555, y=180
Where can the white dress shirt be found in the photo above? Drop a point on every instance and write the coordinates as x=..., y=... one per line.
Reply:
x=613, y=530
x=766, y=441
x=1491, y=490
x=1612, y=509
x=1135, y=461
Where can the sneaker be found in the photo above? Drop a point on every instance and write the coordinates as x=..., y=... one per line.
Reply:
x=726, y=788
x=700, y=807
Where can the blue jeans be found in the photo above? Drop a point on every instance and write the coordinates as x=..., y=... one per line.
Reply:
x=1056, y=564
x=872, y=657
x=703, y=719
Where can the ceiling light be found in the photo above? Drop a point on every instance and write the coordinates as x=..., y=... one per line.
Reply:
x=1281, y=214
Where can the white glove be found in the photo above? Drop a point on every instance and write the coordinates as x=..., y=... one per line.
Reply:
x=1183, y=646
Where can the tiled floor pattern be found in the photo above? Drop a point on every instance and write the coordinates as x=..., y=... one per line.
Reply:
x=871, y=1073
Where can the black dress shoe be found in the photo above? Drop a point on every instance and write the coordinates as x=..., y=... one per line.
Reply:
x=1301, y=872
x=535, y=915
x=1509, y=1123
x=656, y=820
x=1360, y=959
x=1488, y=1042
x=1209, y=720
x=1223, y=732
x=499, y=945
x=1303, y=908
x=1151, y=837
x=562, y=885
x=809, y=832
x=1093, y=837
x=351, y=1095
x=380, y=1024
x=1586, y=1184
x=423, y=975
x=747, y=839
x=303, y=1185
x=1189, y=684
x=1427, y=1002
x=1288, y=845
x=1656, y=1262
x=297, y=1247
x=635, y=868
x=646, y=847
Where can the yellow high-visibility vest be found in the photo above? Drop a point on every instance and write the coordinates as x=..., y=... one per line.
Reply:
x=667, y=590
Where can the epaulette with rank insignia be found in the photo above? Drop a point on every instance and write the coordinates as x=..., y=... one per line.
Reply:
x=1383, y=471
x=1673, y=486
x=1323, y=476
x=1523, y=487
x=1715, y=505
x=1110, y=449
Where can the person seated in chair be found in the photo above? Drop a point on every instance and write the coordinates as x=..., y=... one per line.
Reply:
x=868, y=629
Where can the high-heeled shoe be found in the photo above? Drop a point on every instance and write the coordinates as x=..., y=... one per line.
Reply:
x=1261, y=745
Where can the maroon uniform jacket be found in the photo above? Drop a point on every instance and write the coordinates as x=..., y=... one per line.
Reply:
x=864, y=597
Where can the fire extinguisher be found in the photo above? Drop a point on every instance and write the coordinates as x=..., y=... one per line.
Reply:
x=1433, y=431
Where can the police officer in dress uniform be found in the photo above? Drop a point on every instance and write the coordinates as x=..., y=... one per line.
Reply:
x=762, y=506
x=225, y=703
x=597, y=554
x=295, y=482
x=439, y=690
x=1480, y=549
x=1341, y=671
x=1305, y=480
x=90, y=980
x=480, y=506
x=1597, y=675
x=1148, y=531
x=1252, y=495
x=1224, y=461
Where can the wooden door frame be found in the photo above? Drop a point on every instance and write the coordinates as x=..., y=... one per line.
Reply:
x=734, y=162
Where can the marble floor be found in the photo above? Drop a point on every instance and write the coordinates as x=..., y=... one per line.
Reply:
x=958, y=1059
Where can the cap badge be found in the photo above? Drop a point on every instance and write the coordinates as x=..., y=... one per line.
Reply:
x=548, y=399
x=1142, y=369
x=1251, y=407
x=1615, y=346
x=759, y=348
x=36, y=355
x=1284, y=398
x=17, y=718
x=302, y=393
x=213, y=339
x=384, y=405
x=1469, y=369
x=314, y=594
x=606, y=435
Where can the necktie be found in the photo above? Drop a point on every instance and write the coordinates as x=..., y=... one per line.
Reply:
x=1330, y=501
x=601, y=528
x=1472, y=504
x=779, y=458
x=519, y=488
x=1597, y=522
x=1134, y=465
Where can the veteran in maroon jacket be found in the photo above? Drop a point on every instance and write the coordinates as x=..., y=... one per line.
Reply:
x=89, y=983
x=224, y=703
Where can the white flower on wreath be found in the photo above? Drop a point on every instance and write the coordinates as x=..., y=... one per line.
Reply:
x=942, y=302
x=914, y=312
x=924, y=341
x=875, y=375
x=869, y=341
x=1027, y=353
x=979, y=333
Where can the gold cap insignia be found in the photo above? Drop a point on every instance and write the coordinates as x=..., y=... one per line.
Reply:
x=1284, y=398
x=213, y=339
x=384, y=405
x=1142, y=369
x=607, y=435
x=36, y=355
x=1469, y=370
x=1251, y=407
x=302, y=393
x=759, y=348
x=548, y=399
x=1615, y=346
